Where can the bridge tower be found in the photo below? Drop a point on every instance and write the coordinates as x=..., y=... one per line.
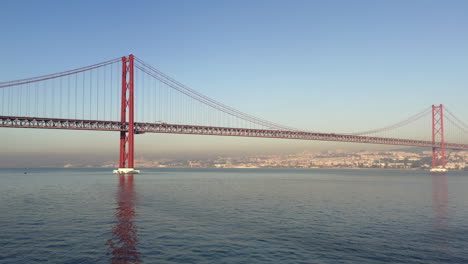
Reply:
x=126, y=158
x=438, y=140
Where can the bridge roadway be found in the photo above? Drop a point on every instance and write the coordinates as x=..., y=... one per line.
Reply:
x=140, y=128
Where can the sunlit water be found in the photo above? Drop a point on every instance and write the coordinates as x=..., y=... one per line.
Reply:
x=233, y=216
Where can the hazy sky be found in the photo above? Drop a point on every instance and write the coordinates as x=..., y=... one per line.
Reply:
x=318, y=65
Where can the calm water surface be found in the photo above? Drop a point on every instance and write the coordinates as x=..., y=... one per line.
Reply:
x=233, y=216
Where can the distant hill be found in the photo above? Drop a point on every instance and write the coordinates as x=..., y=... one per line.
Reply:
x=411, y=149
x=414, y=149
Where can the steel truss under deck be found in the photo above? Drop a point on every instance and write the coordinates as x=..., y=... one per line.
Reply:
x=140, y=128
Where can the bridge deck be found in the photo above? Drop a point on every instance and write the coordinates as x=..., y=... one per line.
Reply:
x=98, y=125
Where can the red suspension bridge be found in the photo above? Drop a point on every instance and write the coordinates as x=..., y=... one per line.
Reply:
x=131, y=97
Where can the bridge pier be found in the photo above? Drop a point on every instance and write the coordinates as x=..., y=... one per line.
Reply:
x=127, y=154
x=126, y=171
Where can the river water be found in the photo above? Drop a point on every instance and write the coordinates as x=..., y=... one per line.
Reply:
x=233, y=216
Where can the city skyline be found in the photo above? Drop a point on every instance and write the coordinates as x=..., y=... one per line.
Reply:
x=403, y=158
x=312, y=64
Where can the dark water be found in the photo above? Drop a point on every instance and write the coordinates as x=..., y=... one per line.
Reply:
x=233, y=216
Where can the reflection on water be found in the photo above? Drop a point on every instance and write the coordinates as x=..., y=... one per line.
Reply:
x=440, y=211
x=440, y=199
x=124, y=234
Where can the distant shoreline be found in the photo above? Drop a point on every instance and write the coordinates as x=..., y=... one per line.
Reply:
x=244, y=168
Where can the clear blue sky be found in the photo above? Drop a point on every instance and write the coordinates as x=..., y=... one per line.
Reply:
x=319, y=65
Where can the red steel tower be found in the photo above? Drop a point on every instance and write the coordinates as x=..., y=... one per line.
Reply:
x=438, y=141
x=126, y=159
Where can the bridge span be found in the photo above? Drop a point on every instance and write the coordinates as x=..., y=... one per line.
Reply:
x=141, y=128
x=126, y=95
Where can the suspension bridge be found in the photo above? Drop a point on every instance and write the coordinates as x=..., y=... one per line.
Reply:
x=129, y=96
